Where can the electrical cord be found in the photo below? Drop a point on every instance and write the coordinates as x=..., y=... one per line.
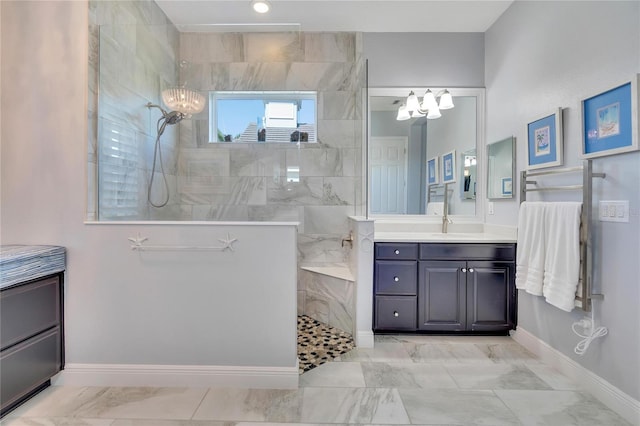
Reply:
x=589, y=337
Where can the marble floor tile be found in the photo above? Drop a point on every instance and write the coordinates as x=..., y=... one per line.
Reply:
x=59, y=401
x=448, y=406
x=351, y=405
x=446, y=353
x=407, y=375
x=553, y=377
x=498, y=376
x=145, y=422
x=559, y=408
x=507, y=352
x=144, y=403
x=334, y=374
x=250, y=405
x=423, y=338
x=381, y=352
x=55, y=421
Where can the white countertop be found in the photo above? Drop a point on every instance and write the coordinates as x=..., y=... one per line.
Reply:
x=438, y=237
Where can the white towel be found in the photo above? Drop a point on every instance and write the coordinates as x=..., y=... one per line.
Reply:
x=562, y=258
x=531, y=247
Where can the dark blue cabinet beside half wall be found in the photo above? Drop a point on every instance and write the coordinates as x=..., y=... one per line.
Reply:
x=463, y=288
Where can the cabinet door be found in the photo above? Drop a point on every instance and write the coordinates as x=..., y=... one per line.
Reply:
x=442, y=296
x=490, y=296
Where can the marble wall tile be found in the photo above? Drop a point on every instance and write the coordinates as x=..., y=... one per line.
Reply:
x=329, y=47
x=152, y=51
x=335, y=295
x=319, y=249
x=276, y=213
x=318, y=76
x=309, y=191
x=449, y=406
x=316, y=307
x=301, y=302
x=339, y=191
x=256, y=76
x=257, y=160
x=315, y=160
x=326, y=219
x=274, y=47
x=211, y=47
x=351, y=162
x=337, y=133
x=204, y=171
x=337, y=105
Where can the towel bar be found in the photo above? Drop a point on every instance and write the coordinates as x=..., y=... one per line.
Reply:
x=586, y=257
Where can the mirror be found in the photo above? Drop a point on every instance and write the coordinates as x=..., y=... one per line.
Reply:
x=469, y=174
x=398, y=153
x=500, y=169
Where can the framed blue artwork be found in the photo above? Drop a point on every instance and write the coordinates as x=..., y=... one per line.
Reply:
x=507, y=186
x=544, y=139
x=449, y=167
x=432, y=171
x=610, y=121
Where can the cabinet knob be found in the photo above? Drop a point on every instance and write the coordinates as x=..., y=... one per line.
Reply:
x=396, y=279
x=396, y=314
x=464, y=269
x=396, y=251
x=470, y=269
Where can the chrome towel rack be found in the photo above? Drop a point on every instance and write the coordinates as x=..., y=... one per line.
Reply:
x=586, y=294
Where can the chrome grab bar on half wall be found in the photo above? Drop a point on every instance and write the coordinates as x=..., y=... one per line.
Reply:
x=138, y=245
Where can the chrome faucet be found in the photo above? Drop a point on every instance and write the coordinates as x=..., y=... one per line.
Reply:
x=445, y=210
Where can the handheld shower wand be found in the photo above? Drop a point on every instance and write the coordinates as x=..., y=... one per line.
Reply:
x=172, y=117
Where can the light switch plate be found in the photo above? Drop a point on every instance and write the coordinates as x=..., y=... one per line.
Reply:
x=613, y=211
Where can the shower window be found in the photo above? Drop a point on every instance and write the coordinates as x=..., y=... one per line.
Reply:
x=251, y=117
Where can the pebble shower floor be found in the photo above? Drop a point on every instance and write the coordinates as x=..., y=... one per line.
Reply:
x=319, y=343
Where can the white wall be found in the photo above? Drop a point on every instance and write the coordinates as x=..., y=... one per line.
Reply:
x=544, y=55
x=123, y=307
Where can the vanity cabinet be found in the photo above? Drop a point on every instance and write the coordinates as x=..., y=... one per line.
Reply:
x=458, y=287
x=31, y=338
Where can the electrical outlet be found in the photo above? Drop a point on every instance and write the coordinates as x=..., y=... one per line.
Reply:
x=614, y=211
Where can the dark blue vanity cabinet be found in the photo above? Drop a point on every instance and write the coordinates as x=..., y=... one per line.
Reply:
x=444, y=287
x=31, y=338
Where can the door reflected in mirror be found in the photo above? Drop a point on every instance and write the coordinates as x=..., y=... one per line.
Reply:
x=500, y=169
x=399, y=150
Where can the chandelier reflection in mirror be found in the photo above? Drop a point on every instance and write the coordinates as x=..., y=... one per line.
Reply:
x=182, y=103
x=429, y=106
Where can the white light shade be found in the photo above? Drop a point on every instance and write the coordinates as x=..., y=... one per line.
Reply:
x=434, y=113
x=446, y=101
x=416, y=113
x=403, y=113
x=260, y=6
x=429, y=101
x=412, y=102
x=183, y=100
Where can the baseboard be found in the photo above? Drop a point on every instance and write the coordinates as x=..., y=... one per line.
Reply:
x=177, y=375
x=364, y=339
x=611, y=396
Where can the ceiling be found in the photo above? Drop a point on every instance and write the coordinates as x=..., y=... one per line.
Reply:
x=335, y=15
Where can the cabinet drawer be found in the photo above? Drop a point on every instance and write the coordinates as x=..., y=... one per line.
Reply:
x=396, y=251
x=28, y=365
x=395, y=313
x=28, y=309
x=466, y=251
x=396, y=277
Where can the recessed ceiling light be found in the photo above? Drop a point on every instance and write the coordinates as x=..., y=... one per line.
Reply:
x=260, y=6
